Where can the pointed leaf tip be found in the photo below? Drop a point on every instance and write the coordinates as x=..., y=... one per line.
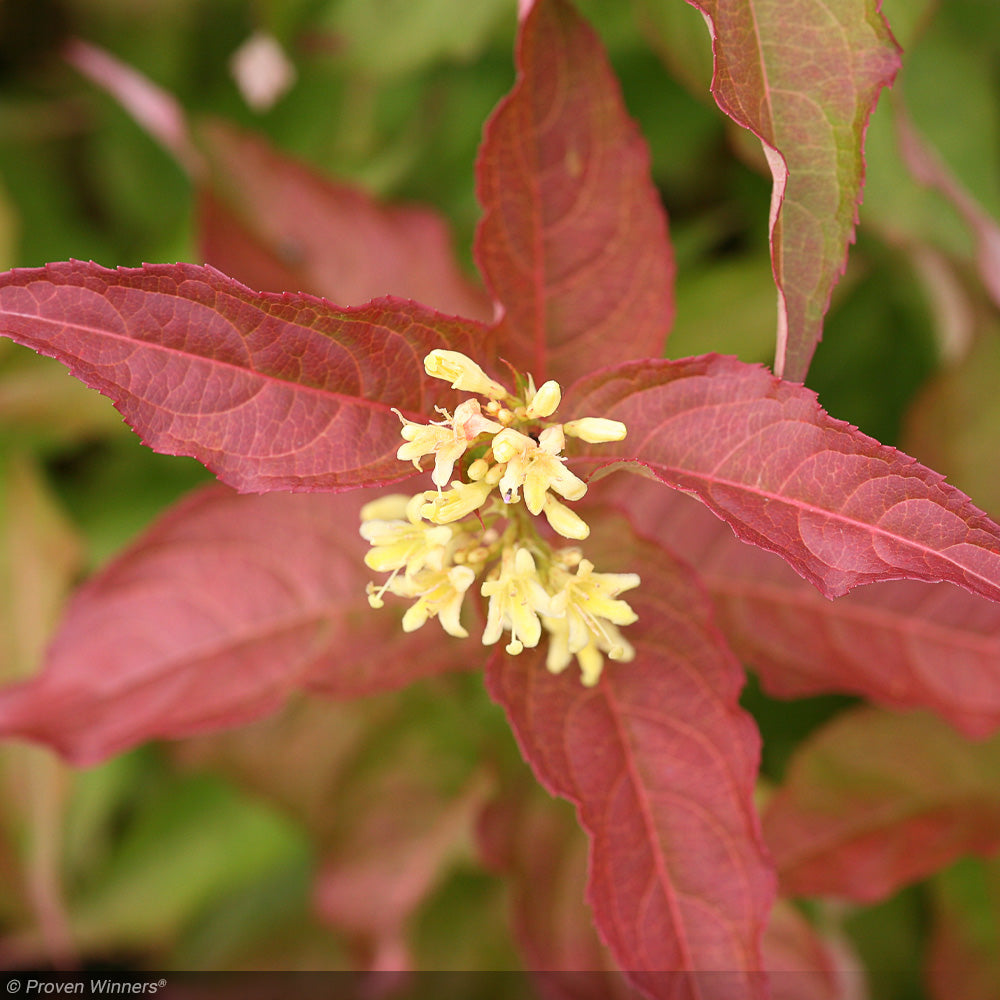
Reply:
x=762, y=454
x=804, y=78
x=269, y=391
x=573, y=239
x=212, y=619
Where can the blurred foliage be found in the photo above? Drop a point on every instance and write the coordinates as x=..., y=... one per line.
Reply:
x=165, y=863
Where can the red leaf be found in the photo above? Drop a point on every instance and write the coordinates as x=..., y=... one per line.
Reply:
x=804, y=77
x=573, y=240
x=270, y=392
x=210, y=620
x=661, y=762
x=875, y=800
x=901, y=644
x=841, y=508
x=274, y=224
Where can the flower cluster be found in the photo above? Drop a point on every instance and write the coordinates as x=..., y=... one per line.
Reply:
x=436, y=544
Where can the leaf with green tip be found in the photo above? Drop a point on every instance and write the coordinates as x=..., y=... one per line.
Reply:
x=962, y=957
x=803, y=77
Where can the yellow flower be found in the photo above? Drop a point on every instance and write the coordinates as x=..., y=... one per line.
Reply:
x=397, y=543
x=447, y=440
x=535, y=466
x=583, y=620
x=438, y=592
x=463, y=373
x=517, y=597
x=456, y=503
x=434, y=564
x=543, y=402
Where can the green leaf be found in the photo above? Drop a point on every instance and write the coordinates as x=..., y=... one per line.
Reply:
x=803, y=77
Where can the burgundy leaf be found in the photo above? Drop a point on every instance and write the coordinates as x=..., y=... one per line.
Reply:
x=762, y=454
x=270, y=392
x=274, y=224
x=573, y=240
x=210, y=620
x=804, y=77
x=875, y=800
x=661, y=762
x=901, y=644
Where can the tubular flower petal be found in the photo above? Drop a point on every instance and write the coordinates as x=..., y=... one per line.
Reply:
x=552, y=440
x=438, y=592
x=596, y=430
x=584, y=617
x=396, y=544
x=456, y=503
x=513, y=479
x=463, y=373
x=447, y=440
x=517, y=597
x=566, y=522
x=469, y=421
x=548, y=473
x=391, y=507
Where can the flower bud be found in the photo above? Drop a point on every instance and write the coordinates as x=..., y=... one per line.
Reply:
x=545, y=402
x=478, y=469
x=463, y=373
x=391, y=507
x=563, y=520
x=595, y=430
